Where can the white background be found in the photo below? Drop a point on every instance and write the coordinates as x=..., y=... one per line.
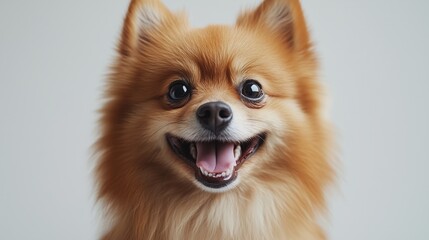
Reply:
x=54, y=56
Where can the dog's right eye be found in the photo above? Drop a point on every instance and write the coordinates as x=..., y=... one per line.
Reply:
x=179, y=91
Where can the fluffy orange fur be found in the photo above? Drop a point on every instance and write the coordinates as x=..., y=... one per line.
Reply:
x=149, y=193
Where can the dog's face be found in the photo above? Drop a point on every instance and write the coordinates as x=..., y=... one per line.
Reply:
x=218, y=107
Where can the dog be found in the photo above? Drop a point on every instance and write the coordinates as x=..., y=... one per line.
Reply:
x=217, y=132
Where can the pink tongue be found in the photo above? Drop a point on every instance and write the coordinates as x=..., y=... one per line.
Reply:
x=215, y=157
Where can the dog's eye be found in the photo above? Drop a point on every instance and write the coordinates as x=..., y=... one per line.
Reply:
x=251, y=90
x=178, y=91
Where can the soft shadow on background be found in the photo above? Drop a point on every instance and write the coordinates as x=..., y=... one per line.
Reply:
x=54, y=56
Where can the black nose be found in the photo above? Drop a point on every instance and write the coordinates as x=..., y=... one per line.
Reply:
x=214, y=116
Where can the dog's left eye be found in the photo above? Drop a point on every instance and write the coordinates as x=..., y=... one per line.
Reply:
x=251, y=90
x=178, y=91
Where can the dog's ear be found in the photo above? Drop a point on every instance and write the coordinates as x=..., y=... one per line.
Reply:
x=142, y=19
x=283, y=18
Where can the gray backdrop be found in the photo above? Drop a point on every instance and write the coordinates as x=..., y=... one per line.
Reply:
x=54, y=56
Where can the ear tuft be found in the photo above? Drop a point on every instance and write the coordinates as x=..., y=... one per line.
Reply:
x=148, y=16
x=142, y=16
x=283, y=18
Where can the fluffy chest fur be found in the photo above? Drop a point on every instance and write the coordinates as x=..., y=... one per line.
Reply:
x=244, y=215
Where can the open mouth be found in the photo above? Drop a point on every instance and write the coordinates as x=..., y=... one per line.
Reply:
x=216, y=163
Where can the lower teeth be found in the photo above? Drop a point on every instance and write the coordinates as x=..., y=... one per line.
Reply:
x=227, y=174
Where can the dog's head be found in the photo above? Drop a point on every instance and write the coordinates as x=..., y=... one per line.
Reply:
x=218, y=107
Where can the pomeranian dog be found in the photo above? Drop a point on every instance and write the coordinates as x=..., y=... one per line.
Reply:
x=214, y=133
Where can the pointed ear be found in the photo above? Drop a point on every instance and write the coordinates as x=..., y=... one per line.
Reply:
x=142, y=17
x=282, y=17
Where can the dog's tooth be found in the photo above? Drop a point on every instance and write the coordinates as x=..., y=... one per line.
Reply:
x=223, y=174
x=228, y=177
x=230, y=171
x=206, y=173
x=202, y=171
x=210, y=175
x=193, y=150
x=237, y=152
x=219, y=175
